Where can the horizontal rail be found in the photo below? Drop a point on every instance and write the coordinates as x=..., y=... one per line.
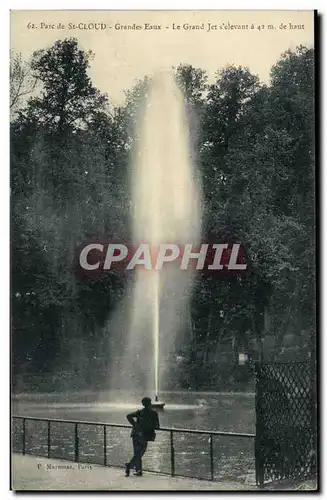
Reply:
x=126, y=426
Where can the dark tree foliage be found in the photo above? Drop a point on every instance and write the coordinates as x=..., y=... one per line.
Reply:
x=68, y=98
x=254, y=147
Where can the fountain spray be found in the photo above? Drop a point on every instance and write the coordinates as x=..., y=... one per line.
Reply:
x=166, y=209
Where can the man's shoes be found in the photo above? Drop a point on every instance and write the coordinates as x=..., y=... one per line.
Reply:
x=138, y=473
x=127, y=469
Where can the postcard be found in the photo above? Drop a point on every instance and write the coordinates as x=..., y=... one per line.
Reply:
x=163, y=250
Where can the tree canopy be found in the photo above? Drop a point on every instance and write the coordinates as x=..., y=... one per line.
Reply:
x=69, y=169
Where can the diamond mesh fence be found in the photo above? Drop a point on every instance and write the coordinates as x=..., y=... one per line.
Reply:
x=285, y=446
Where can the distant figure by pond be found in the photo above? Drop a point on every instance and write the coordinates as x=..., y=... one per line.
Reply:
x=144, y=423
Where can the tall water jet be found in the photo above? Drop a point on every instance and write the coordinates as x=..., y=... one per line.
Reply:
x=156, y=334
x=166, y=209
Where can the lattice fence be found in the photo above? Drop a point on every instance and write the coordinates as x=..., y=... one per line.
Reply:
x=285, y=421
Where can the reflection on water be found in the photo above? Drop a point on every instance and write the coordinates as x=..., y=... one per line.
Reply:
x=204, y=411
x=97, y=407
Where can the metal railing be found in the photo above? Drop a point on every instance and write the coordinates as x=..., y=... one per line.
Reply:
x=104, y=426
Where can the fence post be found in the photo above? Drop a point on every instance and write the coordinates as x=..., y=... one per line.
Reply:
x=105, y=445
x=172, y=453
x=76, y=443
x=313, y=409
x=259, y=469
x=211, y=457
x=24, y=435
x=49, y=438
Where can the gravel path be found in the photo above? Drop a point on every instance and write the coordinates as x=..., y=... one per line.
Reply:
x=34, y=473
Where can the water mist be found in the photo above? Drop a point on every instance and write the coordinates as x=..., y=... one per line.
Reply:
x=166, y=209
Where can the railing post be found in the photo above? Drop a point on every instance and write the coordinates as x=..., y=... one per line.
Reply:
x=76, y=443
x=49, y=438
x=172, y=453
x=211, y=457
x=105, y=445
x=24, y=435
x=258, y=440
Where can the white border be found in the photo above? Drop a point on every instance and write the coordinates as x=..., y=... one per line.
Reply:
x=167, y=5
x=4, y=172
x=4, y=290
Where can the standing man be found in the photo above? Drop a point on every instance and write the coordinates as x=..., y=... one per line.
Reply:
x=144, y=423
